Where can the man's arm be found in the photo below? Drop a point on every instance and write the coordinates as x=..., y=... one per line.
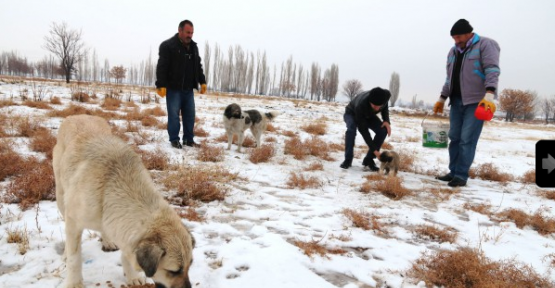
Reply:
x=490, y=63
x=162, y=66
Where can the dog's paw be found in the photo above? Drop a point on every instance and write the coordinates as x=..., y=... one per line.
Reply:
x=109, y=246
x=136, y=281
x=78, y=284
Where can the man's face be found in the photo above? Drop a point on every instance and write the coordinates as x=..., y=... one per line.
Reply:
x=186, y=33
x=460, y=40
x=375, y=107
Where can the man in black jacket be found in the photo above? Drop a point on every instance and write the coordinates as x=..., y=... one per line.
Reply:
x=362, y=113
x=178, y=72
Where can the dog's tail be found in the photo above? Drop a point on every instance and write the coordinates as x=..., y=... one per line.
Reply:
x=271, y=115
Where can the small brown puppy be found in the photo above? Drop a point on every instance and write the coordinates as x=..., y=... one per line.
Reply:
x=389, y=161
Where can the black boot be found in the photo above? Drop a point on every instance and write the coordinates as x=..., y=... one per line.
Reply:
x=369, y=165
x=346, y=164
x=176, y=144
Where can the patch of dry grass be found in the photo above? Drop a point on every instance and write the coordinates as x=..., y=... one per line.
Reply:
x=467, y=267
x=111, y=104
x=210, y=153
x=76, y=110
x=199, y=131
x=365, y=221
x=313, y=147
x=155, y=160
x=484, y=209
x=539, y=222
x=80, y=97
x=436, y=234
x=391, y=187
x=315, y=166
x=34, y=182
x=288, y=133
x=6, y=103
x=37, y=104
x=318, y=128
x=529, y=177
x=202, y=183
x=19, y=236
x=488, y=171
x=299, y=180
x=548, y=194
x=312, y=248
x=43, y=141
x=11, y=161
x=55, y=100
x=190, y=214
x=262, y=154
x=270, y=127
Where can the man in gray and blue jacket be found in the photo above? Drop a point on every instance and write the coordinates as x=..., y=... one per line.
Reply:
x=472, y=77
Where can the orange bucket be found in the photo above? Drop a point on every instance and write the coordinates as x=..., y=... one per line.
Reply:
x=482, y=113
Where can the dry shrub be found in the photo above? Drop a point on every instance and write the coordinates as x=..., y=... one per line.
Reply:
x=467, y=267
x=313, y=146
x=542, y=224
x=262, y=154
x=131, y=127
x=11, y=161
x=443, y=193
x=547, y=194
x=270, y=127
x=111, y=104
x=156, y=111
x=76, y=110
x=6, y=103
x=20, y=237
x=519, y=217
x=199, y=131
x=337, y=146
x=406, y=161
x=27, y=128
x=55, y=100
x=484, y=209
x=34, y=183
x=436, y=234
x=43, y=141
x=315, y=166
x=202, y=183
x=270, y=139
x=190, y=214
x=391, y=187
x=155, y=160
x=80, y=97
x=149, y=121
x=529, y=177
x=312, y=247
x=37, y=104
x=210, y=153
x=488, y=171
x=298, y=180
x=248, y=141
x=387, y=146
x=289, y=133
x=318, y=128
x=365, y=221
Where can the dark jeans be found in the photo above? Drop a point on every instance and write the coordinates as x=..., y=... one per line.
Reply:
x=464, y=132
x=374, y=124
x=180, y=101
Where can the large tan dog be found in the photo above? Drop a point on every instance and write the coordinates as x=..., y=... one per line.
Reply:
x=102, y=184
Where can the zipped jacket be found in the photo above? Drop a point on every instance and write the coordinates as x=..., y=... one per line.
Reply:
x=479, y=70
x=362, y=111
x=171, y=71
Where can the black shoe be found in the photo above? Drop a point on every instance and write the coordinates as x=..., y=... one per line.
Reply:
x=457, y=182
x=176, y=144
x=446, y=178
x=191, y=144
x=346, y=164
x=371, y=166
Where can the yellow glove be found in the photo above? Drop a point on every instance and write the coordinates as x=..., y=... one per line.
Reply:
x=161, y=91
x=438, y=107
x=488, y=102
x=202, y=88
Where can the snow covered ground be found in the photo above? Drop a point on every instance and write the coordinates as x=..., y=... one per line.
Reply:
x=247, y=240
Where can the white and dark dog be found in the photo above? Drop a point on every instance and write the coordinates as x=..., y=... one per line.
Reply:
x=237, y=121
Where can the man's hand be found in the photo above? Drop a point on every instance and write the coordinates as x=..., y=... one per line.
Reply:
x=161, y=91
x=202, y=88
x=377, y=154
x=438, y=107
x=488, y=102
x=386, y=125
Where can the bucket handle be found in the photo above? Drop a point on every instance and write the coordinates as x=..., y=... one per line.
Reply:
x=427, y=114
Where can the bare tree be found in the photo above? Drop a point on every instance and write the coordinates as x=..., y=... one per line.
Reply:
x=67, y=45
x=546, y=107
x=207, y=59
x=351, y=88
x=118, y=73
x=394, y=86
x=314, y=79
x=516, y=103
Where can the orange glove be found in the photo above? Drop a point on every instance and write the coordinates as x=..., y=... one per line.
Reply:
x=161, y=91
x=202, y=88
x=438, y=107
x=488, y=102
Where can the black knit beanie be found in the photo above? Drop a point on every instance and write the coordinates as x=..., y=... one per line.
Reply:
x=379, y=96
x=461, y=27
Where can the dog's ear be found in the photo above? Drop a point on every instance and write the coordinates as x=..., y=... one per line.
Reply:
x=148, y=256
x=248, y=120
x=384, y=157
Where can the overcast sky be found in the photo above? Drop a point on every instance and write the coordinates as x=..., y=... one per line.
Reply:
x=367, y=39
